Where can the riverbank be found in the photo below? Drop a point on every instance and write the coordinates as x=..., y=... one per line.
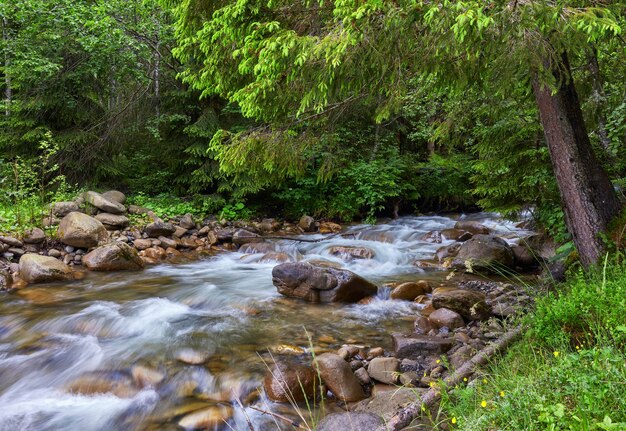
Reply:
x=567, y=373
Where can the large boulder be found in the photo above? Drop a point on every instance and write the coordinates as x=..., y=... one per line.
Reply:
x=485, y=252
x=113, y=257
x=357, y=421
x=35, y=268
x=338, y=377
x=80, y=230
x=97, y=200
x=113, y=221
x=320, y=284
x=290, y=383
x=470, y=304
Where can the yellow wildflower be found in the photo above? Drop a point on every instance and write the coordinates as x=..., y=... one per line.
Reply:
x=502, y=393
x=483, y=404
x=453, y=420
x=556, y=353
x=484, y=380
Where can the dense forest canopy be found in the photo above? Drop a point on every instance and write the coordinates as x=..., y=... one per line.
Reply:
x=345, y=109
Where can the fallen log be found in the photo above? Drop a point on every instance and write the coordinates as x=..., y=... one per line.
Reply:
x=404, y=417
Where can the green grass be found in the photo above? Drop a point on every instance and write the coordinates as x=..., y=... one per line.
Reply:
x=569, y=371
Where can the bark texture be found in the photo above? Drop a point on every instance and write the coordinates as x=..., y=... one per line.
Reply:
x=589, y=200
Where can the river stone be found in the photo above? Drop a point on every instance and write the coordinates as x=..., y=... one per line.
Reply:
x=456, y=234
x=410, y=290
x=352, y=252
x=319, y=284
x=207, y=418
x=473, y=227
x=444, y=317
x=242, y=236
x=338, y=377
x=384, y=370
x=168, y=242
x=103, y=204
x=186, y=222
x=159, y=228
x=414, y=345
x=485, y=252
x=113, y=257
x=146, y=376
x=100, y=382
x=13, y=242
x=115, y=196
x=290, y=383
x=330, y=227
x=350, y=421
x=191, y=356
x=385, y=404
x=34, y=236
x=269, y=225
x=113, y=221
x=6, y=279
x=80, y=230
x=35, y=268
x=447, y=251
x=61, y=209
x=225, y=235
x=179, y=231
x=307, y=223
x=142, y=244
x=276, y=256
x=470, y=304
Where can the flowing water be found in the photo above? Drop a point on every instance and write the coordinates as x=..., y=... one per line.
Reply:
x=224, y=306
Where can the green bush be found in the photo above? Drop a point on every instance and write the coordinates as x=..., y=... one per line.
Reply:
x=168, y=206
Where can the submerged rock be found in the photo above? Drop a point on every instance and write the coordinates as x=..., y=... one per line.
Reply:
x=40, y=269
x=113, y=257
x=80, y=230
x=207, y=418
x=319, y=284
x=352, y=252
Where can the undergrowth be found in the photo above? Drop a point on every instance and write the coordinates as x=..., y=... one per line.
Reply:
x=569, y=371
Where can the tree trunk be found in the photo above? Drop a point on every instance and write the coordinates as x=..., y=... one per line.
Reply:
x=589, y=200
